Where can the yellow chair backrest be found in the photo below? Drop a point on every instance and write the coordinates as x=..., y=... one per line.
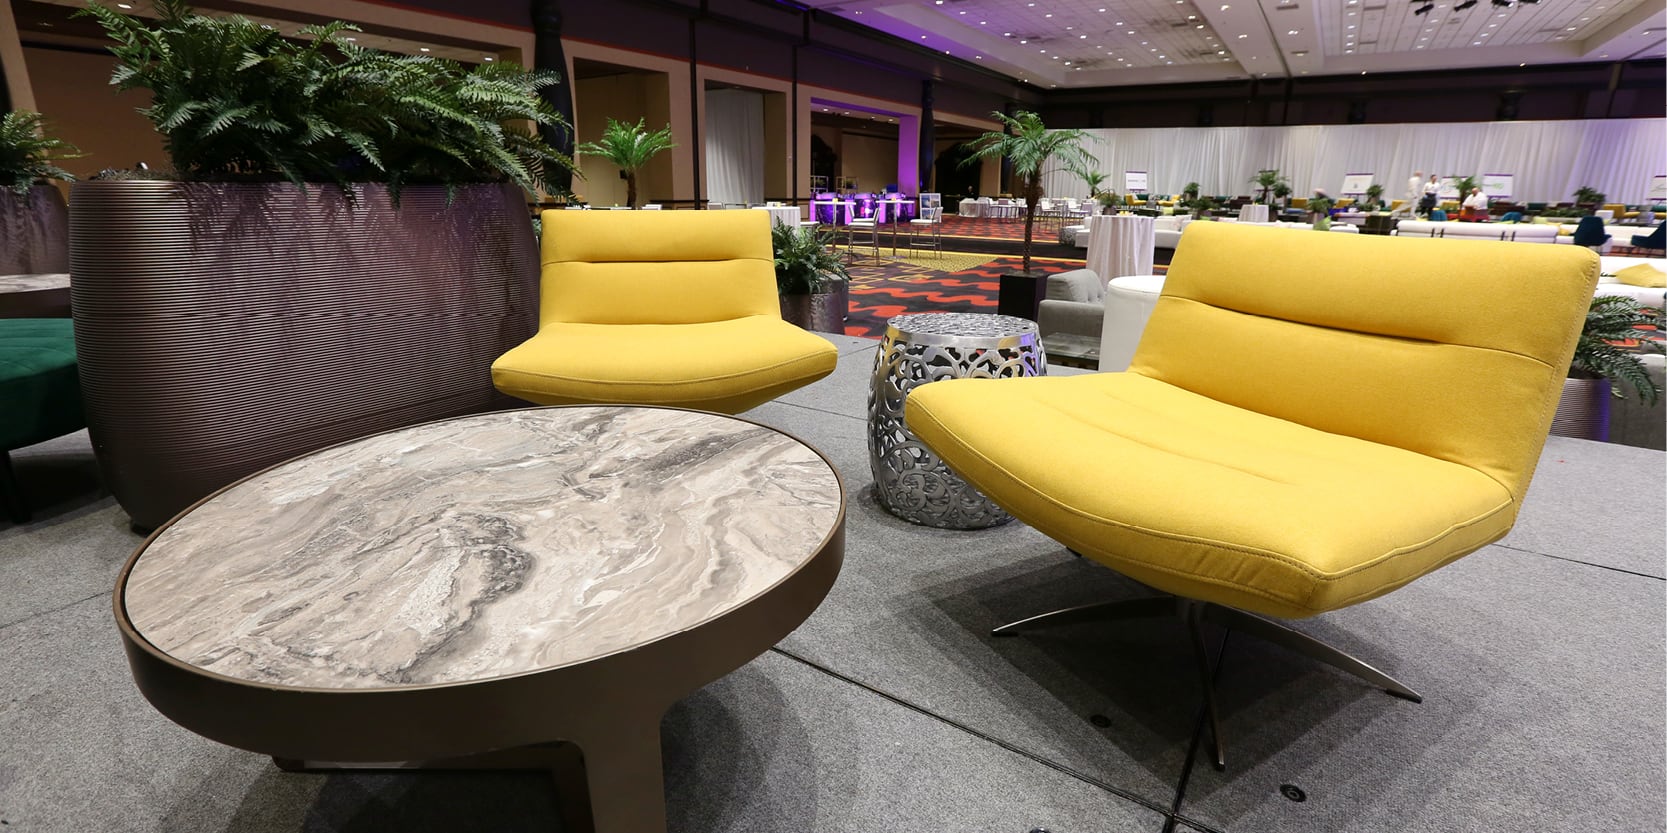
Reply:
x=657, y=267
x=1616, y=207
x=1453, y=349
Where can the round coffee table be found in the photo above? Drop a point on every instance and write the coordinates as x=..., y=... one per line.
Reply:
x=488, y=584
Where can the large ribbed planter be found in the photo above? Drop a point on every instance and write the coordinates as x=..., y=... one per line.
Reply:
x=821, y=312
x=222, y=328
x=1583, y=411
x=34, y=232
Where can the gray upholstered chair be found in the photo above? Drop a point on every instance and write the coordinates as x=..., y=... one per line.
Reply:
x=1075, y=304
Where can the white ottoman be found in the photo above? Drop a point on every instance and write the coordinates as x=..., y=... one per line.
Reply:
x=1129, y=303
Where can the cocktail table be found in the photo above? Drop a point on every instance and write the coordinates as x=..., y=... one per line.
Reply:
x=486, y=584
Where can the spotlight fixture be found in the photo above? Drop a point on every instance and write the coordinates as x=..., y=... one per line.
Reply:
x=1424, y=9
x=1465, y=5
x=1503, y=4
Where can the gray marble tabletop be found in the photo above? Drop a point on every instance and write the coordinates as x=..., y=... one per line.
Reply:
x=33, y=283
x=483, y=546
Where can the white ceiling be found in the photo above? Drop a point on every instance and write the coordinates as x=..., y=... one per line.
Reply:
x=1089, y=43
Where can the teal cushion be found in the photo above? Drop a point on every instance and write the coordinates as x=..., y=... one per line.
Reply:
x=40, y=390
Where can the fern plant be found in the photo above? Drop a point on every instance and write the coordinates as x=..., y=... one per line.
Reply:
x=803, y=258
x=630, y=147
x=1587, y=195
x=236, y=100
x=28, y=155
x=1611, y=321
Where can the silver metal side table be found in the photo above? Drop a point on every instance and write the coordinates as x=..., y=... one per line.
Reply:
x=909, y=480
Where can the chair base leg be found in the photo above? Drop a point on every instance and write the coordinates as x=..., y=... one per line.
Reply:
x=1194, y=613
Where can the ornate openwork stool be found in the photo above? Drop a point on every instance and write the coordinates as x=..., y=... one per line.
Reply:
x=909, y=480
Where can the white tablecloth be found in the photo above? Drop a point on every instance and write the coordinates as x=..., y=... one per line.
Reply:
x=787, y=215
x=970, y=208
x=1253, y=213
x=1130, y=300
x=1120, y=244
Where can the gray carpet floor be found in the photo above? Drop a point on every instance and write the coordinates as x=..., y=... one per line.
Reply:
x=1541, y=660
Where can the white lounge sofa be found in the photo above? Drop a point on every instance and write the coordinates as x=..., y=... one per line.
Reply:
x=1509, y=232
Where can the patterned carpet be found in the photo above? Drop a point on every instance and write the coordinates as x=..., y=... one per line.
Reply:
x=921, y=284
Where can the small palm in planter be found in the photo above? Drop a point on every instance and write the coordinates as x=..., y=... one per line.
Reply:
x=1599, y=363
x=1028, y=146
x=630, y=147
x=34, y=233
x=811, y=279
x=346, y=249
x=1374, y=197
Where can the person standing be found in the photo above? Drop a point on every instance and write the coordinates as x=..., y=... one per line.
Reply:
x=1432, y=187
x=1415, y=192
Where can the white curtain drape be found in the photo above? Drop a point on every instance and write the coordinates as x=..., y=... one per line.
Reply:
x=1548, y=160
x=734, y=146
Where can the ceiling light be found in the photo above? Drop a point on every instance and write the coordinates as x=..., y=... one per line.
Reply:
x=1199, y=26
x=1465, y=5
x=1242, y=37
x=423, y=49
x=1049, y=14
x=488, y=58
x=923, y=37
x=1225, y=7
x=1294, y=32
x=1424, y=9
x=124, y=5
x=1082, y=37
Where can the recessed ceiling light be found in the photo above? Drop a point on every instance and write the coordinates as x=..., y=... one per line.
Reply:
x=1476, y=43
x=923, y=37
x=124, y=5
x=978, y=57
x=351, y=39
x=424, y=49
x=1225, y=7
x=1049, y=14
x=1294, y=32
x=488, y=58
x=1082, y=37
x=1221, y=52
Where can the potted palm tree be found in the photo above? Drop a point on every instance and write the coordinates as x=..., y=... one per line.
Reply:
x=629, y=147
x=1028, y=146
x=34, y=229
x=1374, y=197
x=1269, y=183
x=343, y=247
x=1600, y=361
x=811, y=279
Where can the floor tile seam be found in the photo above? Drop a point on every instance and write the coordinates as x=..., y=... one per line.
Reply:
x=1125, y=794
x=1568, y=560
x=863, y=418
x=33, y=616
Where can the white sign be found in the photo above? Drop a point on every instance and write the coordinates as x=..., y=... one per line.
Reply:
x=1134, y=182
x=1658, y=188
x=1497, y=186
x=1355, y=184
x=1449, y=189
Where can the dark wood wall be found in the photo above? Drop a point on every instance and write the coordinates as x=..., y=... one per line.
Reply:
x=1570, y=91
x=776, y=39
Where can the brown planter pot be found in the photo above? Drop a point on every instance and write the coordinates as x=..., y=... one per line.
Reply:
x=822, y=312
x=224, y=328
x=1583, y=410
x=34, y=232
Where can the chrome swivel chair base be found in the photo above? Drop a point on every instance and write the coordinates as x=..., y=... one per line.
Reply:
x=1195, y=613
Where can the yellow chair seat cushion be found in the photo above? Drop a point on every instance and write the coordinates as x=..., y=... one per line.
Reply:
x=724, y=366
x=1204, y=500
